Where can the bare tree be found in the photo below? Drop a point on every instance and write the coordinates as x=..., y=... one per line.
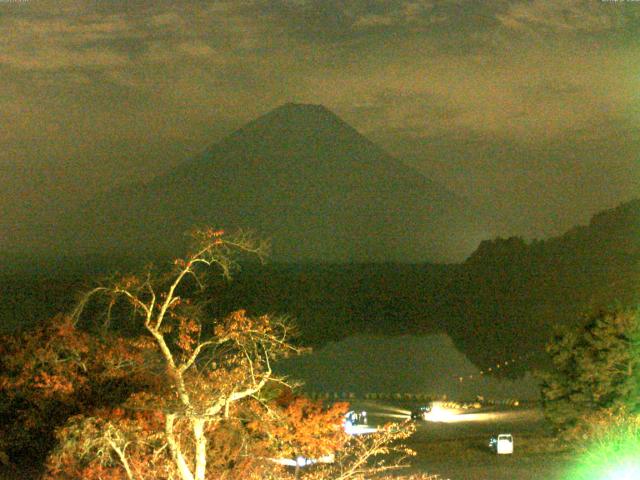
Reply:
x=206, y=366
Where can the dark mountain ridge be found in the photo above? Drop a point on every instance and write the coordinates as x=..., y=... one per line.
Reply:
x=300, y=176
x=511, y=295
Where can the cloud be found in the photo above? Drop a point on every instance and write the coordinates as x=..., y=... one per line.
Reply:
x=414, y=15
x=373, y=20
x=447, y=68
x=169, y=51
x=166, y=20
x=195, y=49
x=53, y=58
x=63, y=25
x=569, y=16
x=389, y=113
x=61, y=43
x=111, y=42
x=324, y=20
x=463, y=22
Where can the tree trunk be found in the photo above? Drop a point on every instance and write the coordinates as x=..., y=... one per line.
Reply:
x=201, y=449
x=176, y=452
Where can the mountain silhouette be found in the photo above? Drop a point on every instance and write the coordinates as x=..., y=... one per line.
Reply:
x=300, y=176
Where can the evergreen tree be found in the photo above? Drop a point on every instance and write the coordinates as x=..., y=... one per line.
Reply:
x=596, y=367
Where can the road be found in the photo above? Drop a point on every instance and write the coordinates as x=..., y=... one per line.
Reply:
x=457, y=448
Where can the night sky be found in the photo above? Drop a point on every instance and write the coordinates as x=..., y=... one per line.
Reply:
x=529, y=109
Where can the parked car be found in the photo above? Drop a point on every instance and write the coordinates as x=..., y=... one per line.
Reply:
x=502, y=444
x=420, y=413
x=356, y=423
x=355, y=418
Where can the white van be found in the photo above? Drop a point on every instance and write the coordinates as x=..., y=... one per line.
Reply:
x=502, y=444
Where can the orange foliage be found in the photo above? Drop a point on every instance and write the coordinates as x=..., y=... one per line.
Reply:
x=306, y=427
x=55, y=371
x=180, y=399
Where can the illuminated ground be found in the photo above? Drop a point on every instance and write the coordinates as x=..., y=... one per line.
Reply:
x=456, y=448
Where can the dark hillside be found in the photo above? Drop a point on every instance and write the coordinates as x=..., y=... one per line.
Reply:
x=509, y=295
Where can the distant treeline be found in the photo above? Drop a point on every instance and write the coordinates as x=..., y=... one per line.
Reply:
x=510, y=295
x=503, y=302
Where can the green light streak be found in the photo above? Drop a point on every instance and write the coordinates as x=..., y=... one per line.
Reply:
x=615, y=455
